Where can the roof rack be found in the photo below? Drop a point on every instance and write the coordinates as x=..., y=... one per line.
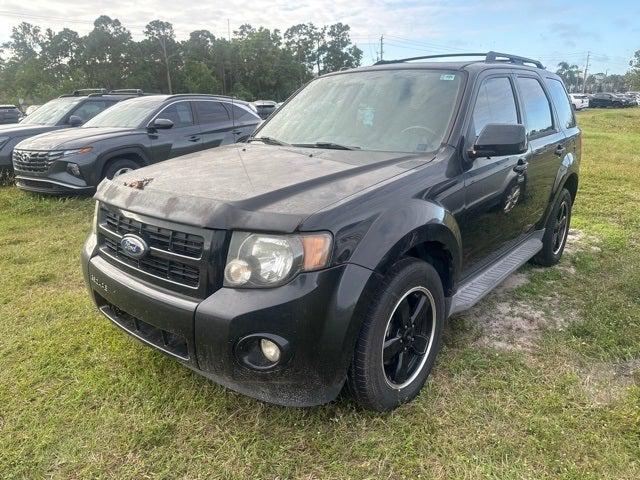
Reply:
x=85, y=91
x=127, y=91
x=489, y=57
x=206, y=95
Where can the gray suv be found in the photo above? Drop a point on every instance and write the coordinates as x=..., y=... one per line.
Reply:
x=135, y=133
x=69, y=110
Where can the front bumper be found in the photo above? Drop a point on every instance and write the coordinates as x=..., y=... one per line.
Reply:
x=318, y=313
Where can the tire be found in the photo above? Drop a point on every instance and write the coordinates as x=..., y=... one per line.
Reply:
x=382, y=385
x=556, y=231
x=118, y=167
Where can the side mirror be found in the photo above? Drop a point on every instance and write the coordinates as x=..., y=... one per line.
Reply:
x=498, y=139
x=75, y=121
x=161, y=124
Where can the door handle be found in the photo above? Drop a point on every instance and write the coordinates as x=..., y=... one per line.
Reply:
x=194, y=138
x=521, y=166
x=560, y=149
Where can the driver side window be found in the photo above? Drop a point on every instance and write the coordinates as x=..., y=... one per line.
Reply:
x=179, y=113
x=495, y=104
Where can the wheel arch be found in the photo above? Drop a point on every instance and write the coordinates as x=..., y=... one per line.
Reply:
x=423, y=230
x=135, y=154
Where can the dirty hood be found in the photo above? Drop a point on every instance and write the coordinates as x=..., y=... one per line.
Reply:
x=72, y=138
x=252, y=186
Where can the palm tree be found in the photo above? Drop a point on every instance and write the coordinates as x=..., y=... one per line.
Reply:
x=570, y=74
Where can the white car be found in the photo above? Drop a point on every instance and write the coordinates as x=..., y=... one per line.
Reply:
x=579, y=100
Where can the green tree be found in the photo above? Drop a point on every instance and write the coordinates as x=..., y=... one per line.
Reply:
x=571, y=75
x=163, y=47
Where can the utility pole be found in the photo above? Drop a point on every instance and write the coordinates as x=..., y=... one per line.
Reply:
x=586, y=70
x=228, y=29
x=381, y=47
x=163, y=46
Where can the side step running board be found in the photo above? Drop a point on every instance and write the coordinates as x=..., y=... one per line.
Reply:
x=474, y=289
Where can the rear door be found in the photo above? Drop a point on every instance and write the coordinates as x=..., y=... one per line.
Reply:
x=565, y=118
x=184, y=137
x=547, y=144
x=215, y=123
x=495, y=188
x=244, y=120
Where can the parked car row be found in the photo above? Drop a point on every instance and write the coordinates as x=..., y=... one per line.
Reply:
x=604, y=100
x=118, y=131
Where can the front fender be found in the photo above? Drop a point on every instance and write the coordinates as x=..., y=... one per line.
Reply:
x=399, y=229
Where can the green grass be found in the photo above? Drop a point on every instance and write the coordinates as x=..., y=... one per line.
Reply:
x=79, y=399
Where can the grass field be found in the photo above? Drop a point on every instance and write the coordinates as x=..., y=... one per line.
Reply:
x=541, y=380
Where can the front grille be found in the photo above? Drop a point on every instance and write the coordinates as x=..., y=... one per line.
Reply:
x=160, y=267
x=175, y=255
x=34, y=160
x=163, y=238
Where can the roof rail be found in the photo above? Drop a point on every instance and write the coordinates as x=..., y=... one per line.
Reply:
x=205, y=95
x=85, y=91
x=507, y=57
x=127, y=91
x=489, y=57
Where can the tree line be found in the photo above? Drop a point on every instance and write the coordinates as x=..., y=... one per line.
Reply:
x=255, y=63
x=575, y=81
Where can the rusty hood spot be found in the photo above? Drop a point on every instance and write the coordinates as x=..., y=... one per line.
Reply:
x=138, y=184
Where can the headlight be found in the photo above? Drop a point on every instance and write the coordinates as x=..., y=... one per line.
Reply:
x=259, y=260
x=76, y=151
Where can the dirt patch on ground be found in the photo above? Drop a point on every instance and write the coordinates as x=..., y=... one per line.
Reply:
x=607, y=382
x=512, y=325
x=577, y=240
x=502, y=322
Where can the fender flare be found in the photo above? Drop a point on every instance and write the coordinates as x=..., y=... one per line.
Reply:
x=105, y=157
x=399, y=229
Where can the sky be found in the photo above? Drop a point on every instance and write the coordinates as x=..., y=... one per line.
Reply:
x=550, y=31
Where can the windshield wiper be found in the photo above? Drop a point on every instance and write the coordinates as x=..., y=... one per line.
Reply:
x=267, y=140
x=329, y=145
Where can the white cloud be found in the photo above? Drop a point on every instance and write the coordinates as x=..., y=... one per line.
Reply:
x=417, y=19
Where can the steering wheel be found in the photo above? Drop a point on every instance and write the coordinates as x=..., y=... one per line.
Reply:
x=420, y=127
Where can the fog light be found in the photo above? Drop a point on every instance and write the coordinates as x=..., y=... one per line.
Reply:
x=74, y=169
x=270, y=350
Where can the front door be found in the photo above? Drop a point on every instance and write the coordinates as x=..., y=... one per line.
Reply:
x=496, y=190
x=184, y=137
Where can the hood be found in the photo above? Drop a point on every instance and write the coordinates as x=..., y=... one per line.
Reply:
x=72, y=138
x=19, y=130
x=252, y=186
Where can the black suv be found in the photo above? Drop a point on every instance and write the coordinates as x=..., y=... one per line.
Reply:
x=138, y=132
x=607, y=100
x=330, y=248
x=69, y=110
x=10, y=114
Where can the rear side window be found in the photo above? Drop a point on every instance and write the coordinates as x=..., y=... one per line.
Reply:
x=179, y=113
x=561, y=102
x=90, y=109
x=241, y=115
x=211, y=112
x=495, y=104
x=536, y=107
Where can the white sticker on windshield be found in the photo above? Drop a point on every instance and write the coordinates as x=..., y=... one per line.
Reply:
x=447, y=76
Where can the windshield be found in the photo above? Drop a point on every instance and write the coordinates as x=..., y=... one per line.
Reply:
x=387, y=110
x=52, y=112
x=126, y=114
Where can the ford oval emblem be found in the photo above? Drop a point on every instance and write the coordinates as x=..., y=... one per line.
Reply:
x=133, y=246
